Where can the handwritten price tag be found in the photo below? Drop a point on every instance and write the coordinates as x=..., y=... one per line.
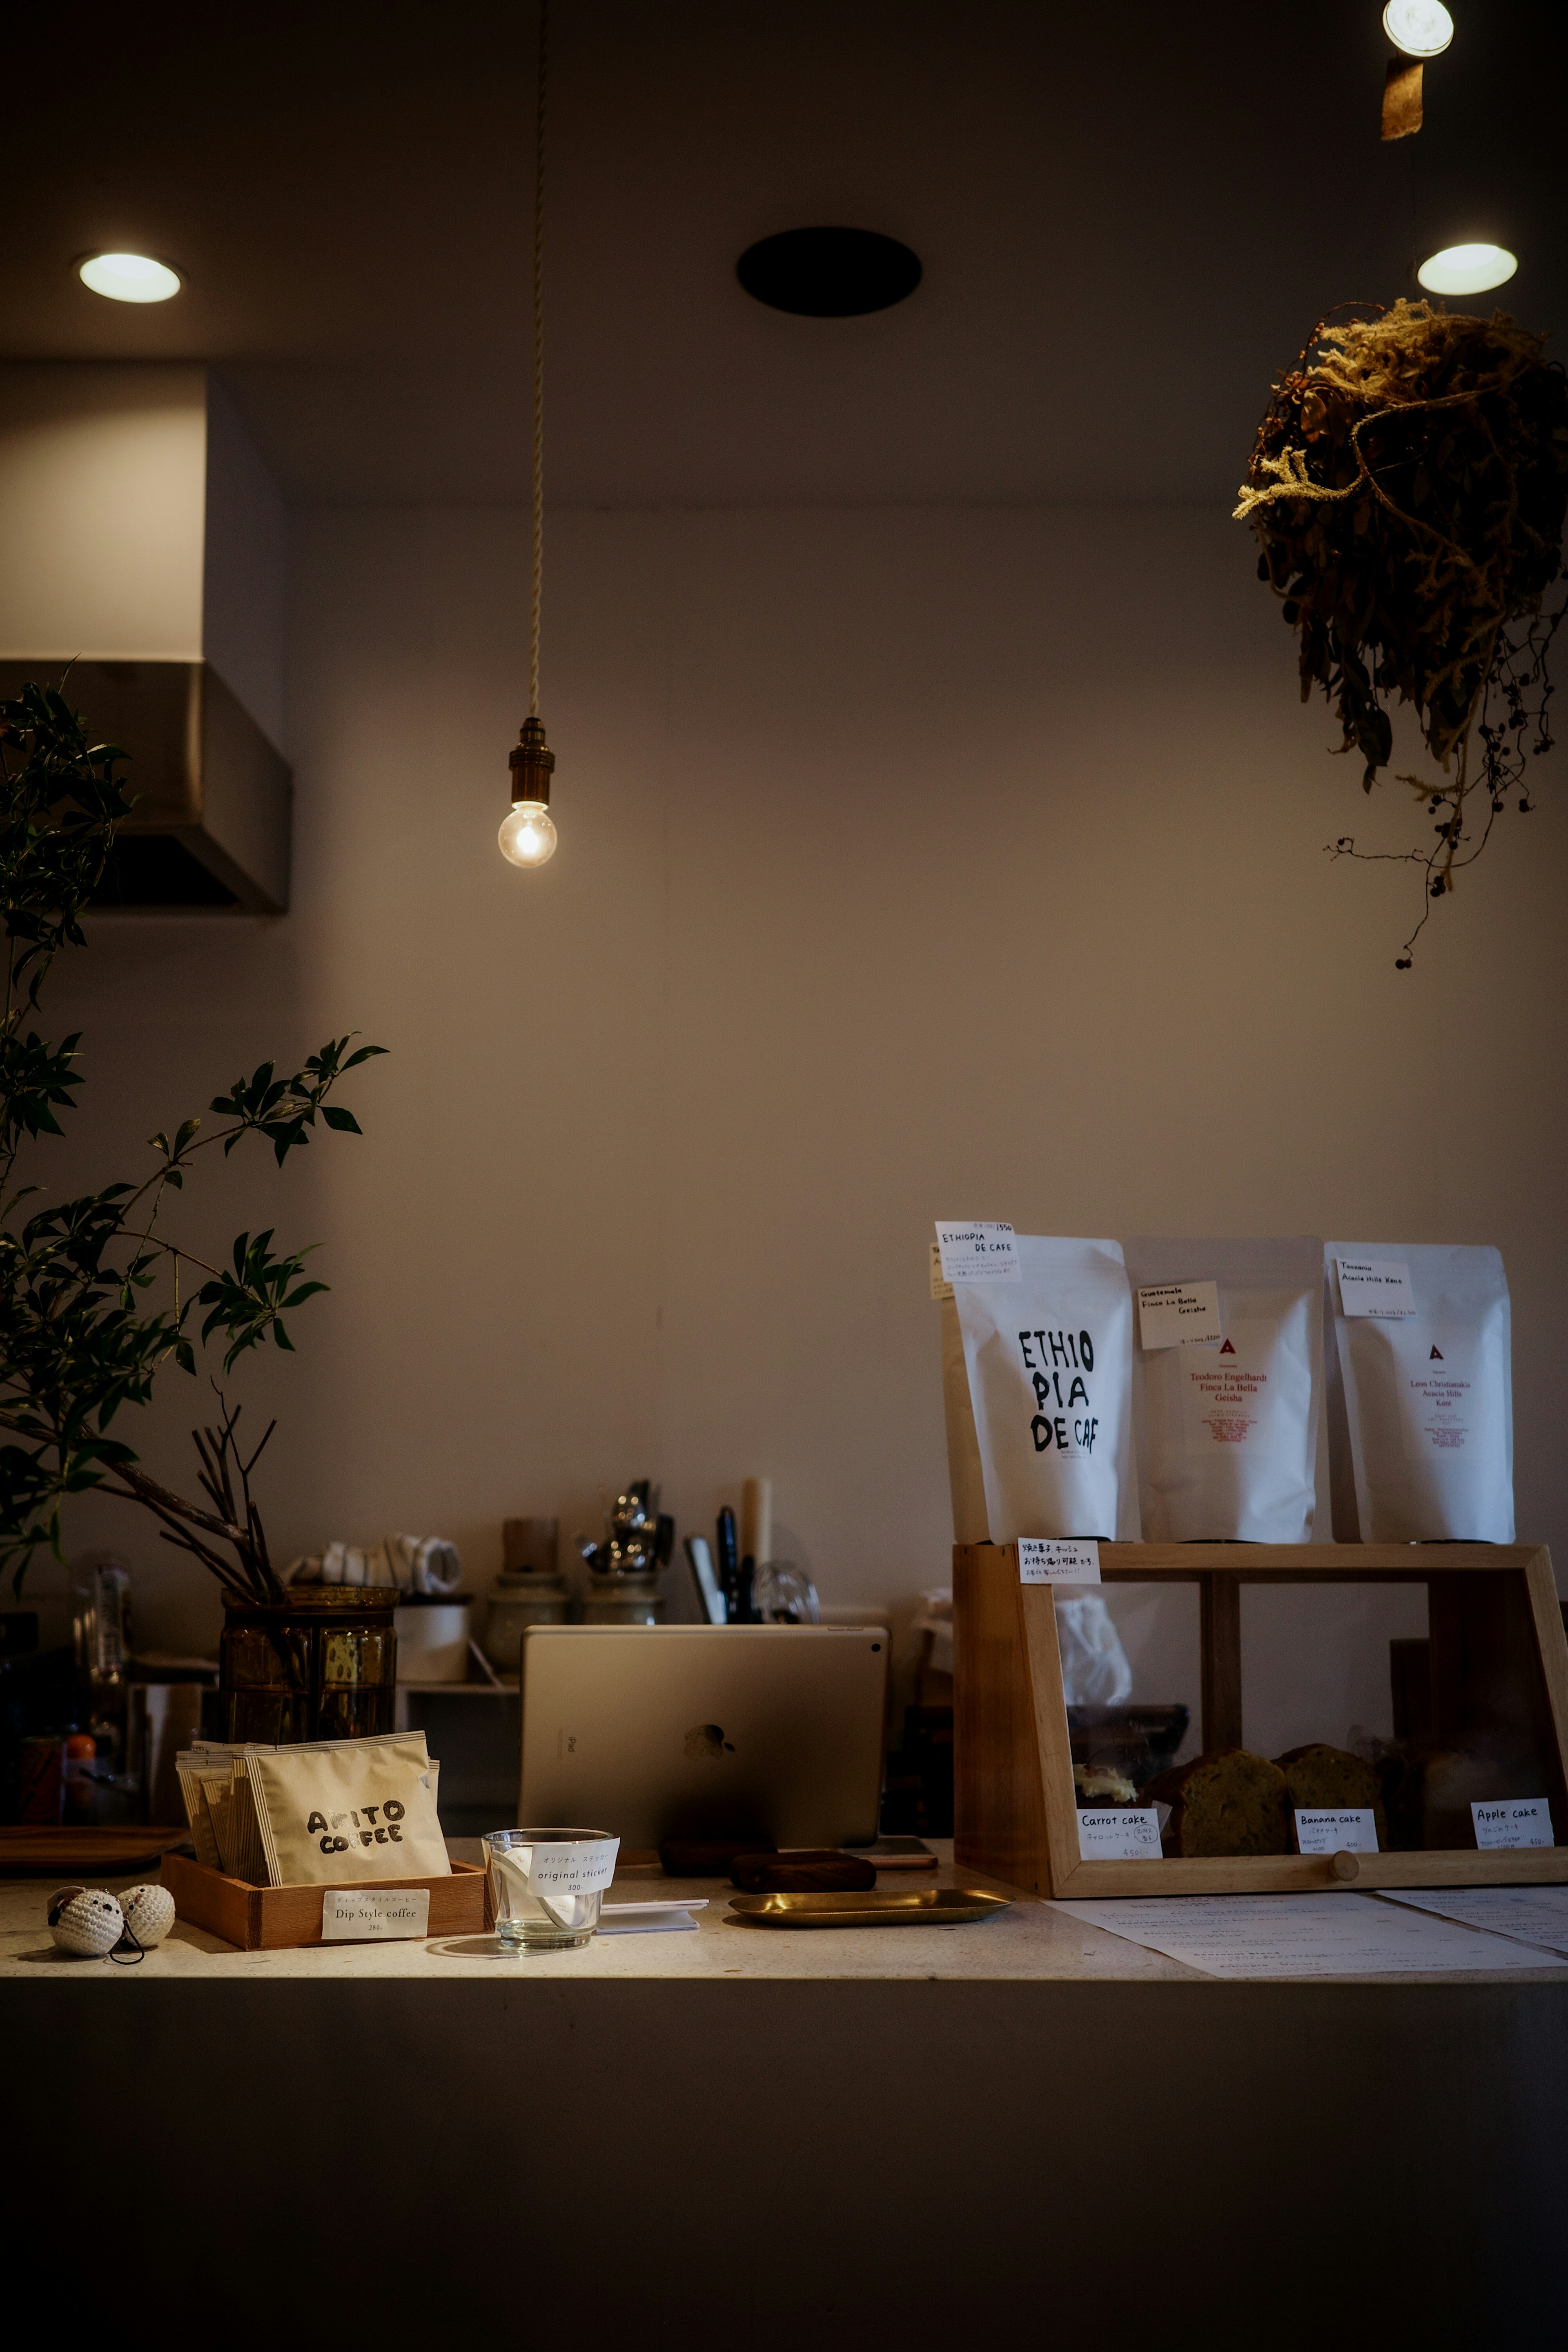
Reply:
x=1379, y=1287
x=1118, y=1833
x=1526, y=1822
x=1179, y=1315
x=1046, y=1559
x=1321, y=1829
x=977, y=1252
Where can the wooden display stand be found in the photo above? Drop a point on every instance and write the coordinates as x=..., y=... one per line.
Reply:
x=281, y=1919
x=1497, y=1647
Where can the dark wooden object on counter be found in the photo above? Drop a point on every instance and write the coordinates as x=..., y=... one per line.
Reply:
x=29, y=1849
x=826, y=1870
x=709, y=1857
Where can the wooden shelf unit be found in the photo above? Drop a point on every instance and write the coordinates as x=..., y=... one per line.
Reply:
x=1017, y=1816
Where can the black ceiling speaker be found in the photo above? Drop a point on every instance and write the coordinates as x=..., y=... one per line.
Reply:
x=829, y=273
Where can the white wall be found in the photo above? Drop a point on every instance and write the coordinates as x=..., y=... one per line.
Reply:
x=913, y=863
x=139, y=523
x=101, y=512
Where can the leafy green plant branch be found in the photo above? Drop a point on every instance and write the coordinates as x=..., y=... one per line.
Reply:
x=80, y=1336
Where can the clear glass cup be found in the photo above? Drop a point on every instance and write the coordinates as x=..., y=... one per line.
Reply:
x=783, y=1594
x=546, y=1884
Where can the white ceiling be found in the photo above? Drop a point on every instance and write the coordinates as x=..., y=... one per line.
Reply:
x=1130, y=216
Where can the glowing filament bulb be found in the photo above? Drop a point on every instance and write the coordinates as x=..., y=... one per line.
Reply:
x=526, y=835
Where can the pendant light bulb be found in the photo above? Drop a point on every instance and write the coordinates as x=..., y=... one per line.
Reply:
x=527, y=834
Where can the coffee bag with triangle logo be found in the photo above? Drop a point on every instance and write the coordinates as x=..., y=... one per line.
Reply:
x=1421, y=1407
x=1228, y=1433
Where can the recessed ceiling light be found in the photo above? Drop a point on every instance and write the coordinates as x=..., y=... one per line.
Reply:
x=1467, y=268
x=829, y=273
x=129, y=277
x=1421, y=29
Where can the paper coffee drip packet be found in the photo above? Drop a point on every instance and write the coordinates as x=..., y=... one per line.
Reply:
x=361, y=1809
x=1049, y=1360
x=1230, y=1434
x=1420, y=1393
x=220, y=1807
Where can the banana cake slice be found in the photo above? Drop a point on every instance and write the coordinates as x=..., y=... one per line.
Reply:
x=1228, y=1802
x=1332, y=1778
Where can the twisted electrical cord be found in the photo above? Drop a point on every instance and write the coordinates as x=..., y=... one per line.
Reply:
x=537, y=367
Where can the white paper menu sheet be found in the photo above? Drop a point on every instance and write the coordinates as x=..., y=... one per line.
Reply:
x=1303, y=1936
x=1535, y=1915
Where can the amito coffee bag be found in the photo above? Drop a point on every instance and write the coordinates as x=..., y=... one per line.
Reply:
x=360, y=1809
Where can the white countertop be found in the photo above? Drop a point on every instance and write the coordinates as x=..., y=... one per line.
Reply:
x=1030, y=1941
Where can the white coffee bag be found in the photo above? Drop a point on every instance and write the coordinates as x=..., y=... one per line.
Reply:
x=1049, y=1362
x=1230, y=1434
x=1421, y=1414
x=965, y=1479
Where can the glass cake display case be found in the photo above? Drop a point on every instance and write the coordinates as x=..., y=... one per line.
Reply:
x=1215, y=1718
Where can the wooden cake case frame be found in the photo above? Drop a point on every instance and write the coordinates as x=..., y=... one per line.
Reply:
x=1017, y=1816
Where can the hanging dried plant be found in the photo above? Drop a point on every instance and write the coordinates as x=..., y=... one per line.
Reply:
x=1408, y=485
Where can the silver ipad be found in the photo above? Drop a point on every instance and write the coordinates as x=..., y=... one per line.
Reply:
x=705, y=1731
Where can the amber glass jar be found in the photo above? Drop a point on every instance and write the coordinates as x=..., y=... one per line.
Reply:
x=321, y=1663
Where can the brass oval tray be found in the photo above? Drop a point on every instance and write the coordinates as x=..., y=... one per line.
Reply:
x=915, y=1906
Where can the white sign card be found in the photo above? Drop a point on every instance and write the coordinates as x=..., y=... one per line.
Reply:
x=1118, y=1833
x=939, y=1287
x=1048, y=1559
x=1375, y=1285
x=1322, y=1828
x=1520, y=1822
x=371, y=1915
x=1343, y=1935
x=1528, y=1915
x=563, y=1865
x=977, y=1252
x=1179, y=1315
x=650, y=1918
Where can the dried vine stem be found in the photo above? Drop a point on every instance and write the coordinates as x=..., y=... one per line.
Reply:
x=1408, y=485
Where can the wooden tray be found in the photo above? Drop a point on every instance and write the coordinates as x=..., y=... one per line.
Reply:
x=43, y=1849
x=1496, y=1629
x=278, y=1918
x=916, y=1907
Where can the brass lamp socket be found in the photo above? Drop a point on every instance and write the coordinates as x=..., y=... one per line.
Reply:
x=532, y=764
